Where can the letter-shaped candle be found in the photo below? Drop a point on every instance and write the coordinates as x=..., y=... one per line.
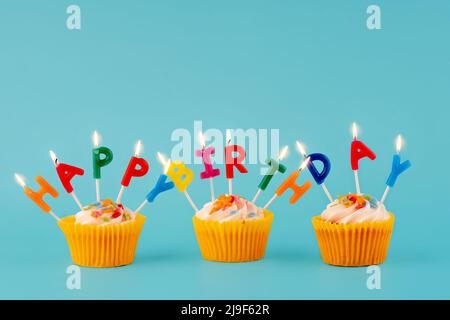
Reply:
x=38, y=196
x=358, y=151
x=66, y=173
x=210, y=172
x=274, y=167
x=137, y=167
x=182, y=178
x=398, y=168
x=231, y=162
x=101, y=156
x=290, y=183
x=319, y=177
x=160, y=186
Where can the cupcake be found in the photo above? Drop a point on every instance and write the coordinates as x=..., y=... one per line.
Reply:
x=354, y=230
x=103, y=234
x=232, y=229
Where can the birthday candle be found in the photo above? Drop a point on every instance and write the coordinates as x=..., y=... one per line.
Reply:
x=358, y=151
x=398, y=168
x=137, y=167
x=160, y=186
x=182, y=178
x=66, y=173
x=290, y=183
x=38, y=196
x=319, y=177
x=231, y=162
x=210, y=172
x=274, y=167
x=98, y=162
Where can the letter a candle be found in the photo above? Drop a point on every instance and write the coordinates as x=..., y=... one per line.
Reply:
x=38, y=196
x=98, y=161
x=137, y=167
x=358, y=151
x=398, y=168
x=66, y=173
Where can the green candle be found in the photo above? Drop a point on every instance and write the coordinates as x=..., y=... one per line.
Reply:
x=98, y=161
x=274, y=167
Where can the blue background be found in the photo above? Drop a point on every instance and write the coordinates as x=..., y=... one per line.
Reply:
x=140, y=69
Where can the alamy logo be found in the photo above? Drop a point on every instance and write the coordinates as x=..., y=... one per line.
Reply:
x=73, y=281
x=374, y=280
x=374, y=20
x=259, y=144
x=73, y=21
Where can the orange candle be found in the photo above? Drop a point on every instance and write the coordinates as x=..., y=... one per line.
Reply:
x=290, y=183
x=38, y=196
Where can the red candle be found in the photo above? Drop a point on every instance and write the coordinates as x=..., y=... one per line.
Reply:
x=358, y=151
x=137, y=167
x=233, y=162
x=66, y=173
x=210, y=172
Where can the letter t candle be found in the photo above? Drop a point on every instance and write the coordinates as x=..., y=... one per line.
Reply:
x=274, y=167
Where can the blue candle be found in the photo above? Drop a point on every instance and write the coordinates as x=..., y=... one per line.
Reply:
x=319, y=177
x=160, y=187
x=398, y=168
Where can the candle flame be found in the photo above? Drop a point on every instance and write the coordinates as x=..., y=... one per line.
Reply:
x=304, y=164
x=95, y=138
x=399, y=143
x=53, y=157
x=355, y=130
x=228, y=136
x=20, y=180
x=164, y=161
x=301, y=148
x=138, y=148
x=201, y=140
x=283, y=153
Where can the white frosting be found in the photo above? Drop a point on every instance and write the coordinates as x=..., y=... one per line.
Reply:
x=88, y=217
x=338, y=213
x=240, y=209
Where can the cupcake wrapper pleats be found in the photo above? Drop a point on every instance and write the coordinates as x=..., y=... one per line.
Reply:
x=233, y=241
x=102, y=246
x=355, y=244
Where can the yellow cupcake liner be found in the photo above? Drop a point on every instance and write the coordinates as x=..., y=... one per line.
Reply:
x=102, y=246
x=233, y=241
x=354, y=244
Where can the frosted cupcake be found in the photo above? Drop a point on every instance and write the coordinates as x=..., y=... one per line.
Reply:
x=232, y=229
x=354, y=230
x=103, y=234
